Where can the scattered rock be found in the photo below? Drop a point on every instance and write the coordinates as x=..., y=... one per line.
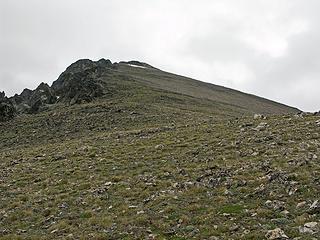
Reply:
x=310, y=227
x=314, y=208
x=234, y=228
x=213, y=238
x=301, y=204
x=108, y=184
x=276, y=234
x=261, y=127
x=259, y=116
x=159, y=146
x=276, y=205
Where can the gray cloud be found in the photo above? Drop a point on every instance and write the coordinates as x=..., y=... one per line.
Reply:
x=265, y=47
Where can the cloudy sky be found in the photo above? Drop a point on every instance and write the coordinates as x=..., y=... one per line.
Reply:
x=265, y=47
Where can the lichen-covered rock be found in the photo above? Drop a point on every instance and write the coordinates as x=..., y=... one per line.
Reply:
x=276, y=234
x=310, y=227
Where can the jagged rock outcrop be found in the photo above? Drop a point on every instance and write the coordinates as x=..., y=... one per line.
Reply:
x=34, y=101
x=40, y=97
x=21, y=102
x=23, y=97
x=78, y=88
x=7, y=109
x=80, y=82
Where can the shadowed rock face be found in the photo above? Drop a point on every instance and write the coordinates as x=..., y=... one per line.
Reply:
x=40, y=97
x=78, y=87
x=23, y=97
x=34, y=101
x=79, y=83
x=7, y=109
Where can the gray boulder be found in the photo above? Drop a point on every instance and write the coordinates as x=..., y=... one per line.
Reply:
x=80, y=82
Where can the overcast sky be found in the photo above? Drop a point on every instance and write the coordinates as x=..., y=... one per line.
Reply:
x=265, y=47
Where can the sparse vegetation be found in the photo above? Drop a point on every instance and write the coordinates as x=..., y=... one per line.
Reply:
x=147, y=163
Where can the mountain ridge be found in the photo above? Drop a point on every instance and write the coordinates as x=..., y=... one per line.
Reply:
x=83, y=81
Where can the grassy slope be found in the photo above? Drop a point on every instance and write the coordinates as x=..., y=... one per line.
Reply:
x=179, y=84
x=147, y=163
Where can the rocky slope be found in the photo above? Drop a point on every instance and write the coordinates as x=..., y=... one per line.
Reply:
x=137, y=161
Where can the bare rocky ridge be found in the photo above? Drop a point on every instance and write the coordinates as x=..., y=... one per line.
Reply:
x=77, y=84
x=86, y=80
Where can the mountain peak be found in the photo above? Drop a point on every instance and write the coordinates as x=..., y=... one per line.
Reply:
x=86, y=80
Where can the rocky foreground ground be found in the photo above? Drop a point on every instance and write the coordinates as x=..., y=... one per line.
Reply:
x=242, y=178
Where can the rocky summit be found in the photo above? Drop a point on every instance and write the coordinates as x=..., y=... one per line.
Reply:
x=128, y=151
x=86, y=80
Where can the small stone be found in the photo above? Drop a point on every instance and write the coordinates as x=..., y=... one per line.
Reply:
x=54, y=231
x=277, y=233
x=258, y=116
x=285, y=212
x=314, y=208
x=213, y=238
x=64, y=205
x=261, y=127
x=160, y=146
x=311, y=227
x=152, y=236
x=234, y=228
x=133, y=206
x=108, y=184
x=301, y=204
x=276, y=205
